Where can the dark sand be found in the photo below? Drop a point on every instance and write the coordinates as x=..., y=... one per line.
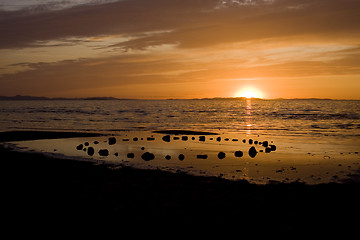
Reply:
x=35, y=186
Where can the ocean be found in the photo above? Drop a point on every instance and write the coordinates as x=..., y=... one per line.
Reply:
x=314, y=141
x=316, y=118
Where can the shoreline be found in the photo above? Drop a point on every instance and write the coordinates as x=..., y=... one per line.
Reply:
x=51, y=188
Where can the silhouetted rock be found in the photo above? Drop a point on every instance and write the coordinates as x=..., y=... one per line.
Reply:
x=235, y=140
x=79, y=147
x=130, y=155
x=184, y=138
x=218, y=139
x=135, y=139
x=244, y=140
x=181, y=157
x=176, y=138
x=104, y=152
x=148, y=156
x=86, y=143
x=167, y=157
x=239, y=154
x=226, y=139
x=96, y=142
x=150, y=138
x=252, y=152
x=202, y=138
x=90, y=151
x=193, y=138
x=256, y=142
x=221, y=155
x=142, y=148
x=166, y=138
x=112, y=141
x=273, y=147
x=126, y=140
x=250, y=141
x=265, y=144
x=267, y=150
x=116, y=154
x=202, y=156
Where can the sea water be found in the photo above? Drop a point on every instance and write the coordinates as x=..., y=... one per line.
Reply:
x=316, y=140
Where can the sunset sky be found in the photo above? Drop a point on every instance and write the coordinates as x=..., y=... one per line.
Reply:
x=180, y=48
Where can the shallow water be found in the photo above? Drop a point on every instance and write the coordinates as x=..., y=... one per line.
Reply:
x=317, y=141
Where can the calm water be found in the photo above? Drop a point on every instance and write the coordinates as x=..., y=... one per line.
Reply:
x=317, y=118
x=317, y=141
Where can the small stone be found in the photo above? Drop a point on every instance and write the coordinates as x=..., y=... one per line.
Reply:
x=202, y=138
x=112, y=141
x=135, y=139
x=221, y=155
x=252, y=152
x=148, y=156
x=202, y=156
x=80, y=147
x=130, y=155
x=218, y=139
x=86, y=143
x=90, y=151
x=103, y=152
x=273, y=147
x=96, y=142
x=184, y=138
x=167, y=157
x=181, y=157
x=250, y=141
x=166, y=138
x=265, y=143
x=239, y=154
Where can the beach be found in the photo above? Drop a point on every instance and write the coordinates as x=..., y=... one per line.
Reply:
x=51, y=188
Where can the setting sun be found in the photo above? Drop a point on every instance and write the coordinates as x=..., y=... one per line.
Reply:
x=249, y=93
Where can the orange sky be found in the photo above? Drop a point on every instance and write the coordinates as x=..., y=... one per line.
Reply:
x=180, y=48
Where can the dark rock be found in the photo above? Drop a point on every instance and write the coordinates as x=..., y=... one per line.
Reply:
x=80, y=147
x=239, y=154
x=250, y=141
x=256, y=142
x=252, y=152
x=273, y=147
x=226, y=139
x=244, y=140
x=267, y=150
x=96, y=142
x=166, y=138
x=265, y=144
x=184, y=138
x=150, y=138
x=90, y=151
x=176, y=138
x=84, y=149
x=202, y=156
x=181, y=157
x=218, y=139
x=112, y=141
x=103, y=152
x=86, y=143
x=135, y=139
x=221, y=155
x=142, y=148
x=116, y=154
x=148, y=156
x=167, y=157
x=235, y=140
x=202, y=138
x=193, y=138
x=126, y=140
x=130, y=155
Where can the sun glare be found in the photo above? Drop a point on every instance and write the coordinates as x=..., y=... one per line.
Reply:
x=249, y=93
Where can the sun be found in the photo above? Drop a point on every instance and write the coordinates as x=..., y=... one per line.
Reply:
x=249, y=92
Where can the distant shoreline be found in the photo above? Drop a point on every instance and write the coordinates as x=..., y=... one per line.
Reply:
x=36, y=98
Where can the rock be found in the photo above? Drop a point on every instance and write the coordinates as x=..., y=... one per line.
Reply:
x=112, y=141
x=256, y=142
x=148, y=156
x=96, y=142
x=267, y=150
x=239, y=154
x=176, y=138
x=86, y=143
x=252, y=152
x=116, y=154
x=135, y=139
x=184, y=138
x=80, y=147
x=202, y=138
x=244, y=140
x=166, y=138
x=142, y=148
x=265, y=143
x=218, y=139
x=202, y=156
x=273, y=147
x=181, y=157
x=150, y=139
x=130, y=155
x=103, y=152
x=221, y=155
x=250, y=141
x=226, y=139
x=90, y=151
x=235, y=140
x=167, y=157
x=193, y=138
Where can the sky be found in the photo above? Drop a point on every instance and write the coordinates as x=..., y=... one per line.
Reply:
x=159, y=49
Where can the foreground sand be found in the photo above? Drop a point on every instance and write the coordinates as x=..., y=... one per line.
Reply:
x=35, y=185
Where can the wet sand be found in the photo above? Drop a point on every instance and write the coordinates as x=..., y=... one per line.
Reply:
x=51, y=188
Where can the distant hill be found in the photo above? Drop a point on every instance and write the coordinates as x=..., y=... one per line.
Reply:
x=28, y=98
